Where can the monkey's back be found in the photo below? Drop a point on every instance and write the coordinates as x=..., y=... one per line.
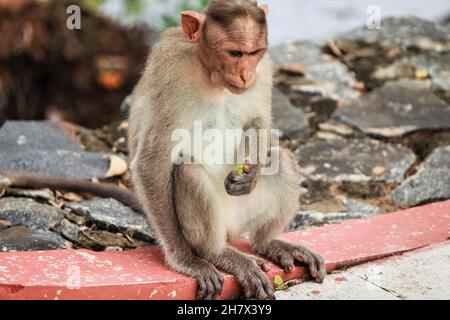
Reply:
x=159, y=92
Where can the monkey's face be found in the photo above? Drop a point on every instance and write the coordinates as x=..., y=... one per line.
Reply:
x=232, y=55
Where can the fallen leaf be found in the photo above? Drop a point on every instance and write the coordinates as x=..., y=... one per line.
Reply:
x=421, y=74
x=378, y=170
x=117, y=166
x=393, y=52
x=70, y=196
x=334, y=48
x=295, y=69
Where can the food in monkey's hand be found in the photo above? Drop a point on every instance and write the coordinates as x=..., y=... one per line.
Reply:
x=241, y=169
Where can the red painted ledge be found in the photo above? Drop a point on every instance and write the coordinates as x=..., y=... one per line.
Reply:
x=141, y=273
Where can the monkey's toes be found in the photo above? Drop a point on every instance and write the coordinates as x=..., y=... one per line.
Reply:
x=314, y=262
x=209, y=284
x=256, y=285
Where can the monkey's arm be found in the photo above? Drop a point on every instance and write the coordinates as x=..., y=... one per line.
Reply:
x=24, y=180
x=237, y=185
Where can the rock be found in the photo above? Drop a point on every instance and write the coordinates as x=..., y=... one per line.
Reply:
x=21, y=238
x=4, y=224
x=405, y=32
x=68, y=230
x=437, y=66
x=396, y=109
x=329, y=77
x=26, y=212
x=399, y=69
x=111, y=215
x=289, y=120
x=377, y=56
x=353, y=161
x=36, y=135
x=352, y=210
x=61, y=163
x=42, y=148
x=99, y=240
x=38, y=194
x=430, y=183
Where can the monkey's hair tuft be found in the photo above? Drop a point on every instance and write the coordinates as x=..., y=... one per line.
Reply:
x=225, y=12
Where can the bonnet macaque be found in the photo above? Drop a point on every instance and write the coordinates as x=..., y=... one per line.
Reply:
x=214, y=70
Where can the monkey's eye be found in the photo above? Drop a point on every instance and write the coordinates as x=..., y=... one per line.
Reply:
x=254, y=53
x=236, y=54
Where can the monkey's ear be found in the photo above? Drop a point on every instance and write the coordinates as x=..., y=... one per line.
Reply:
x=265, y=8
x=192, y=24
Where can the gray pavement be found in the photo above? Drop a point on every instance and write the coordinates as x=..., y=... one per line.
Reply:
x=423, y=274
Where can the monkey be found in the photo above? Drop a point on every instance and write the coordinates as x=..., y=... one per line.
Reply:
x=215, y=69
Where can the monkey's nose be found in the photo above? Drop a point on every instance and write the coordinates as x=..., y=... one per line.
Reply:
x=246, y=79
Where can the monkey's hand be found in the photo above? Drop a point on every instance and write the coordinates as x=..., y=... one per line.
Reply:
x=285, y=254
x=238, y=184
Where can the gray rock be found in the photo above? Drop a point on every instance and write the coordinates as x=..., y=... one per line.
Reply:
x=430, y=183
x=405, y=32
x=26, y=212
x=42, y=148
x=21, y=238
x=437, y=66
x=40, y=135
x=290, y=120
x=38, y=194
x=363, y=209
x=61, y=163
x=330, y=78
x=68, y=230
x=113, y=216
x=354, y=210
x=354, y=161
x=396, y=109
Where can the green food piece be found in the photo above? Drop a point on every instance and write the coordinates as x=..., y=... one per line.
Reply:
x=278, y=281
x=240, y=169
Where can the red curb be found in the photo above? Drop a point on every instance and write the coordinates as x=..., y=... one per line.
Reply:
x=141, y=273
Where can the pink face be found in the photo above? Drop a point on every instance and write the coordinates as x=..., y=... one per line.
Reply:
x=231, y=54
x=234, y=54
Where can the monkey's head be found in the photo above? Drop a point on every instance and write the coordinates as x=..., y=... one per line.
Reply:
x=232, y=39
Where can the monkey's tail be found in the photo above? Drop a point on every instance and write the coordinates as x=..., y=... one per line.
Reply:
x=104, y=190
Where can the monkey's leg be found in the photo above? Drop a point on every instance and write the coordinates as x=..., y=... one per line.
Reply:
x=156, y=192
x=284, y=190
x=204, y=225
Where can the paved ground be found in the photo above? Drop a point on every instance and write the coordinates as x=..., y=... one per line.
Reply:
x=421, y=274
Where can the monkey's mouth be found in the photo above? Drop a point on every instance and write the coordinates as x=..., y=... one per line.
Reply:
x=234, y=89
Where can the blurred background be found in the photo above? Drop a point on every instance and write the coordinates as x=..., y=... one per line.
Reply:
x=48, y=71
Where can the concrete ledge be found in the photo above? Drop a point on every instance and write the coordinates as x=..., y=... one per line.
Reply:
x=141, y=273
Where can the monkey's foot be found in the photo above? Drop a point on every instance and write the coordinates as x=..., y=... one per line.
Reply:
x=255, y=283
x=209, y=281
x=285, y=254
